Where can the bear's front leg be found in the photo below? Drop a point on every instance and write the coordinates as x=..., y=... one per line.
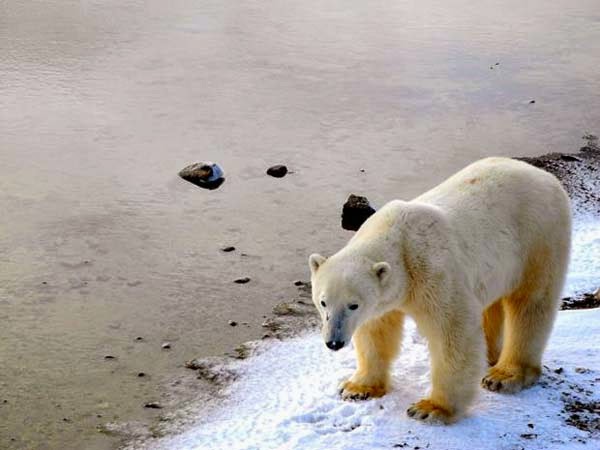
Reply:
x=376, y=343
x=456, y=347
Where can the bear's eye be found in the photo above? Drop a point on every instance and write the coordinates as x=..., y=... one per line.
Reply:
x=353, y=306
x=323, y=304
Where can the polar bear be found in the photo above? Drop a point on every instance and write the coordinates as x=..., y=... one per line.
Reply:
x=479, y=259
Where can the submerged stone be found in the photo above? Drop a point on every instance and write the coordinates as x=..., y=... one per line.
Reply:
x=207, y=175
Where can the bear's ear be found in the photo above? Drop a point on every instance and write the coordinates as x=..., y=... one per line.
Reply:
x=382, y=271
x=315, y=261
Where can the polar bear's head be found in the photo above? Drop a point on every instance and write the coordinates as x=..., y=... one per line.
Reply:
x=348, y=291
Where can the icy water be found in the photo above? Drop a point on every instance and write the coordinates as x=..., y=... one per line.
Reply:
x=102, y=102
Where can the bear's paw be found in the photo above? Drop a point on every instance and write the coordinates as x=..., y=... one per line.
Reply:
x=510, y=379
x=356, y=391
x=429, y=411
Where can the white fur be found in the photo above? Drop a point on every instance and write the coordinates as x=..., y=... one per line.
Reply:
x=497, y=232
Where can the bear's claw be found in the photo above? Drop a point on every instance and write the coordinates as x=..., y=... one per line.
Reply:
x=353, y=391
x=509, y=380
x=428, y=411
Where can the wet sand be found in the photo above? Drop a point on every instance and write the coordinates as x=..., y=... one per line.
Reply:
x=102, y=103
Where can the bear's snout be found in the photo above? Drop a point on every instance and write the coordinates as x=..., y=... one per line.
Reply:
x=334, y=345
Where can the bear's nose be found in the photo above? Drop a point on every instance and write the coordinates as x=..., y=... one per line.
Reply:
x=334, y=345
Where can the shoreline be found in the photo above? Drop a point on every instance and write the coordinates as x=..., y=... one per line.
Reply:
x=207, y=380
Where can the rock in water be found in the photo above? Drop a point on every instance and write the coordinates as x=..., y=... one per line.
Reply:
x=207, y=175
x=243, y=280
x=278, y=171
x=355, y=211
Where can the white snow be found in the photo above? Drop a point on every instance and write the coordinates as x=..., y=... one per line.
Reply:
x=584, y=267
x=286, y=395
x=286, y=399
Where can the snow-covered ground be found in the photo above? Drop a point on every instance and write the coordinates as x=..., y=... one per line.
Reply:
x=584, y=268
x=286, y=394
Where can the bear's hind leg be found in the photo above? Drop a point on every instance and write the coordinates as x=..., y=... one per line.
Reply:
x=377, y=343
x=530, y=314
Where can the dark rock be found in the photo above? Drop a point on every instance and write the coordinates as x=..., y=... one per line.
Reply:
x=139, y=338
x=531, y=102
x=141, y=374
x=559, y=370
x=153, y=405
x=207, y=175
x=109, y=357
x=355, y=211
x=529, y=436
x=278, y=171
x=228, y=249
x=582, y=301
x=166, y=345
x=566, y=157
x=232, y=323
x=243, y=280
x=299, y=283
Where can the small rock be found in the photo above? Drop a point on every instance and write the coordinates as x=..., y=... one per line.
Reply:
x=109, y=357
x=232, y=323
x=4, y=401
x=531, y=102
x=299, y=283
x=207, y=175
x=228, y=249
x=362, y=170
x=243, y=280
x=278, y=171
x=569, y=158
x=166, y=345
x=139, y=338
x=559, y=370
x=497, y=64
x=153, y=405
x=66, y=419
x=271, y=324
x=141, y=374
x=530, y=425
x=529, y=435
x=355, y=211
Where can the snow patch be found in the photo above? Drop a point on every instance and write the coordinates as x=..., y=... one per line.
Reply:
x=584, y=267
x=287, y=399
